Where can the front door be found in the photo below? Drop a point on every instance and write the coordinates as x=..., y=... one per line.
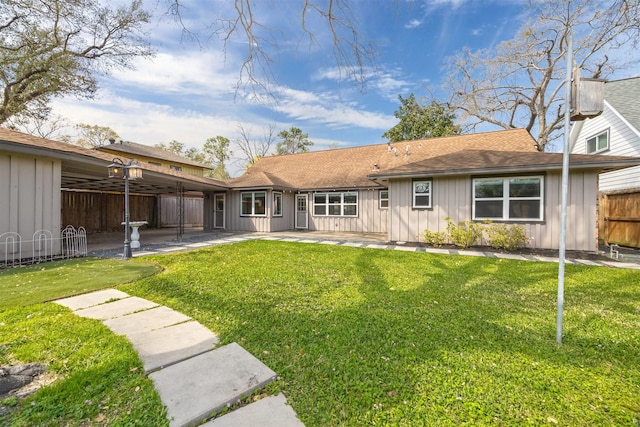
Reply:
x=218, y=210
x=302, y=216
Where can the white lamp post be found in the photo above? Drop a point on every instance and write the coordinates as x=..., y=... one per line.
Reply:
x=129, y=170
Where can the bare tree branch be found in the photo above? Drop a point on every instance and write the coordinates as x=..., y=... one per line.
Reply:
x=520, y=82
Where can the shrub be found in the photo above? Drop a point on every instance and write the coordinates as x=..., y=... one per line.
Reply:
x=465, y=233
x=509, y=237
x=434, y=238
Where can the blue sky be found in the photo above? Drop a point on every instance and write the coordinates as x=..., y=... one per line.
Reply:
x=186, y=93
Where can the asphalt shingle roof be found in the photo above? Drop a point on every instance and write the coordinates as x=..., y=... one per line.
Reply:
x=350, y=167
x=135, y=149
x=624, y=96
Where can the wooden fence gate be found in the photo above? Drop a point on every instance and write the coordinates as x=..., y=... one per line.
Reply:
x=619, y=219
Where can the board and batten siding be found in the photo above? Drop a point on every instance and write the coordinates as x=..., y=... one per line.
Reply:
x=29, y=197
x=370, y=218
x=452, y=197
x=267, y=223
x=623, y=141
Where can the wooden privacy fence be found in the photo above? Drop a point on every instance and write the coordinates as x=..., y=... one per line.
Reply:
x=104, y=211
x=192, y=210
x=619, y=219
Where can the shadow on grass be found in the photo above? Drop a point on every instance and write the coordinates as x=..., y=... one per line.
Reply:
x=365, y=336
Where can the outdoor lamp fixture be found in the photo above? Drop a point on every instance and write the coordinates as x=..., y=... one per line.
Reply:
x=129, y=170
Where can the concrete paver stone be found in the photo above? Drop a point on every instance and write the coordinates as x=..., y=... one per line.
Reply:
x=272, y=411
x=91, y=299
x=166, y=346
x=148, y=320
x=195, y=388
x=117, y=308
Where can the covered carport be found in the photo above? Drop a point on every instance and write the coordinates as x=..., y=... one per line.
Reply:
x=35, y=173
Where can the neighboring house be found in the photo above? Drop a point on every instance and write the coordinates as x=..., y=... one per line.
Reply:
x=403, y=188
x=173, y=209
x=37, y=175
x=154, y=156
x=616, y=132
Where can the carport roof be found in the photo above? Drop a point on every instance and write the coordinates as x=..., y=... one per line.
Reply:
x=85, y=169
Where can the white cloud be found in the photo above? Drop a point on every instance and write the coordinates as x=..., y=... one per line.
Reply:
x=327, y=109
x=414, y=23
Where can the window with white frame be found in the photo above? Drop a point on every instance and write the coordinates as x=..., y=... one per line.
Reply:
x=253, y=203
x=383, y=198
x=598, y=143
x=335, y=204
x=277, y=204
x=422, y=194
x=512, y=198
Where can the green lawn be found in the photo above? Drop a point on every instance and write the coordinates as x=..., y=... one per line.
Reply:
x=375, y=337
x=48, y=281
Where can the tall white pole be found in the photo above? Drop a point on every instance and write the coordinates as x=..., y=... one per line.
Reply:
x=565, y=189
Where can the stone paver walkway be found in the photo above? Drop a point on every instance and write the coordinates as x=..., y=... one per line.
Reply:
x=194, y=377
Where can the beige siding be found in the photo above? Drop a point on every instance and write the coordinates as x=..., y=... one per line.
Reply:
x=452, y=197
x=29, y=196
x=235, y=222
x=286, y=221
x=370, y=219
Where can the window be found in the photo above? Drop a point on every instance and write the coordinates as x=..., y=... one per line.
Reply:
x=421, y=194
x=253, y=204
x=335, y=204
x=515, y=199
x=598, y=143
x=277, y=204
x=176, y=168
x=383, y=197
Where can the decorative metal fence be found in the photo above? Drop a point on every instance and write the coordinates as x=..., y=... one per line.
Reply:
x=42, y=247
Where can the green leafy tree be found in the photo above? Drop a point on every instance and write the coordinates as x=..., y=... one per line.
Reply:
x=217, y=152
x=421, y=121
x=91, y=136
x=175, y=147
x=55, y=48
x=293, y=141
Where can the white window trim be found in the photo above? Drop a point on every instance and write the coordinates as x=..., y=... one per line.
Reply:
x=414, y=194
x=380, y=199
x=586, y=142
x=505, y=198
x=326, y=204
x=277, y=193
x=253, y=203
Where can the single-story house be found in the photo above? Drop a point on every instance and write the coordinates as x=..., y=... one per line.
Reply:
x=398, y=189
x=403, y=188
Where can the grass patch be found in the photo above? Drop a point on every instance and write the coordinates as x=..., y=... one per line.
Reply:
x=371, y=337
x=100, y=379
x=49, y=281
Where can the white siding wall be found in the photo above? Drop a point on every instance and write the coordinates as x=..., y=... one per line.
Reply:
x=623, y=141
x=29, y=196
x=370, y=219
x=286, y=221
x=452, y=198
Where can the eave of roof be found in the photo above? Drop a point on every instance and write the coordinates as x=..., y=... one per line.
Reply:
x=133, y=149
x=491, y=162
